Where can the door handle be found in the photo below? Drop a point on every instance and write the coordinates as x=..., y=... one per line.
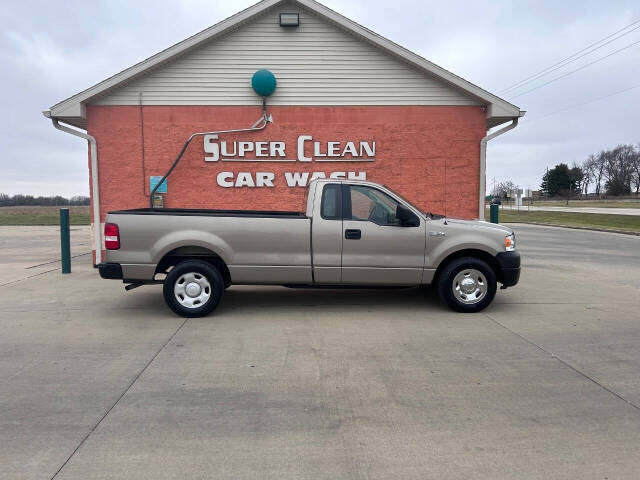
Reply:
x=352, y=234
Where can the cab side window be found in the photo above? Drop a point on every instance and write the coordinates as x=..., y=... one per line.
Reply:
x=370, y=204
x=331, y=206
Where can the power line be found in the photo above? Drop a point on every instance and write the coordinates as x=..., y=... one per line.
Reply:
x=577, y=69
x=589, y=101
x=577, y=105
x=551, y=69
x=564, y=61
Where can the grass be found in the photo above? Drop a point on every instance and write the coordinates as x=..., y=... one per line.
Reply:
x=33, y=215
x=627, y=223
x=632, y=203
x=41, y=215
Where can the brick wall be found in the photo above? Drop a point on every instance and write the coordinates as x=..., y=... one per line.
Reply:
x=428, y=154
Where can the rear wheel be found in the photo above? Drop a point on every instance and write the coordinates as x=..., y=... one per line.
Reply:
x=193, y=288
x=467, y=284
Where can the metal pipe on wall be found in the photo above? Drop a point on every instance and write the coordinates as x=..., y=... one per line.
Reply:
x=483, y=164
x=95, y=190
x=264, y=120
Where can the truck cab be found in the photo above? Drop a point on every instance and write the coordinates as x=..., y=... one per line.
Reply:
x=377, y=237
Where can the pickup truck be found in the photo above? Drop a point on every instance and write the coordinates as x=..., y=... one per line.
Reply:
x=353, y=234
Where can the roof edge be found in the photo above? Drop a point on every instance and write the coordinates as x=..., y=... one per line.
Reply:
x=74, y=105
x=167, y=54
x=406, y=54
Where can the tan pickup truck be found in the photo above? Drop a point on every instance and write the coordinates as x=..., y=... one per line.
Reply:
x=353, y=233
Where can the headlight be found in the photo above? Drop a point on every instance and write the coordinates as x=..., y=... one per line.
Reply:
x=510, y=242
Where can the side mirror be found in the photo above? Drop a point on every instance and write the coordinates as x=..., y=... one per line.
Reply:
x=407, y=217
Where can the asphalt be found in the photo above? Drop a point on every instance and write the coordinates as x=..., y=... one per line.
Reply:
x=279, y=383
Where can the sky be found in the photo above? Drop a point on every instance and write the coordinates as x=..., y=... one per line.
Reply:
x=52, y=50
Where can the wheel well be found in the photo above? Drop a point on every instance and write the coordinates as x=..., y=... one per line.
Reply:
x=470, y=252
x=177, y=255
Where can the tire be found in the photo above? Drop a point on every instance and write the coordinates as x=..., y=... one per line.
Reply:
x=193, y=288
x=467, y=284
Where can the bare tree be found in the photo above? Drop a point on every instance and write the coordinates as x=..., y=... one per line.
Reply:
x=20, y=200
x=582, y=176
x=600, y=161
x=635, y=168
x=504, y=189
x=618, y=169
x=589, y=168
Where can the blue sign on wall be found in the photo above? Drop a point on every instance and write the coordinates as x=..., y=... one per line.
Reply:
x=153, y=181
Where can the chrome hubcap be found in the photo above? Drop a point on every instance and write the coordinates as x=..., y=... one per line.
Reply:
x=469, y=286
x=192, y=290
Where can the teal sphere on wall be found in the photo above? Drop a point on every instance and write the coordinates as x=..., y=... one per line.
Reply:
x=263, y=82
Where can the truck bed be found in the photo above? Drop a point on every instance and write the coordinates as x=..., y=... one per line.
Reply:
x=211, y=213
x=257, y=246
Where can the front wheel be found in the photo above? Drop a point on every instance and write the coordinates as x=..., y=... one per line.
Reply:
x=467, y=284
x=193, y=288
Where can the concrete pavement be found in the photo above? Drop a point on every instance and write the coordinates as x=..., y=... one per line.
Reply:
x=283, y=383
x=29, y=251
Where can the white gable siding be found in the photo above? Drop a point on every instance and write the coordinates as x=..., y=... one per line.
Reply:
x=315, y=64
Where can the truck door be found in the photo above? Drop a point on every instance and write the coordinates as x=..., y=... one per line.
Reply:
x=376, y=249
x=326, y=233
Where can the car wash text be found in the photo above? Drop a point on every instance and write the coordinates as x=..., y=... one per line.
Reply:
x=307, y=150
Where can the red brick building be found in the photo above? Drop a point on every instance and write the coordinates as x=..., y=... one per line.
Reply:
x=348, y=104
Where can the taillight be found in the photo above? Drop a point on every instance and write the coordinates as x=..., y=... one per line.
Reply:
x=111, y=236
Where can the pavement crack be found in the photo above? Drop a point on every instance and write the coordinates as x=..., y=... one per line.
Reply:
x=565, y=363
x=12, y=282
x=86, y=437
x=56, y=261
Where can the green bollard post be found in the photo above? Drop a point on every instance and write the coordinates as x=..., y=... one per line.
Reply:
x=65, y=243
x=493, y=213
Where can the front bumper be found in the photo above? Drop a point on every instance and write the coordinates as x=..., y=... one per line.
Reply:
x=509, y=263
x=110, y=271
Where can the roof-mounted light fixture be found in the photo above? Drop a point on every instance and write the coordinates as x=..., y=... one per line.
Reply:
x=289, y=19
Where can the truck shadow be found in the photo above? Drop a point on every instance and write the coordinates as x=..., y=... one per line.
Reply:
x=271, y=300
x=247, y=298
